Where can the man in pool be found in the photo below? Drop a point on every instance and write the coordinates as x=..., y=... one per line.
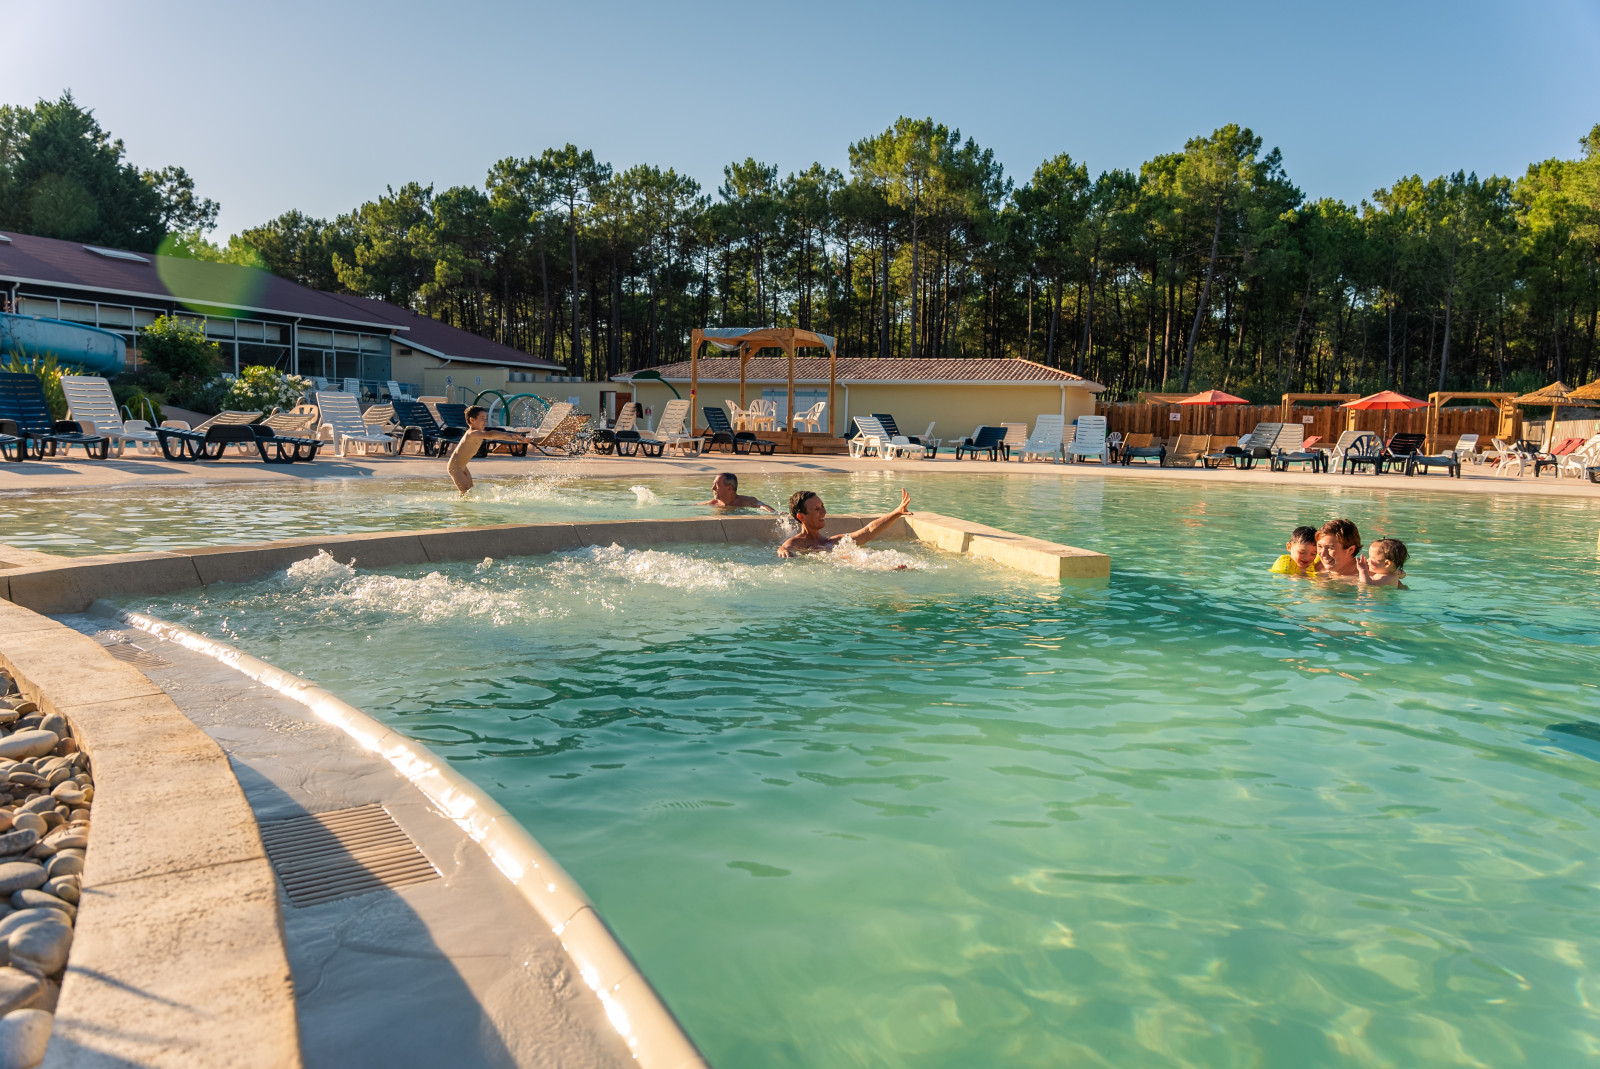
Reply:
x=1338, y=546
x=725, y=495
x=807, y=509
x=467, y=447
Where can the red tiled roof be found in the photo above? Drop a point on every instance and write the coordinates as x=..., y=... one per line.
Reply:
x=53, y=262
x=870, y=369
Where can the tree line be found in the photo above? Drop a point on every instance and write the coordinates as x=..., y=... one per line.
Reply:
x=1205, y=267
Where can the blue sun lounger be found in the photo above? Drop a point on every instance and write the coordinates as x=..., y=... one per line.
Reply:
x=26, y=419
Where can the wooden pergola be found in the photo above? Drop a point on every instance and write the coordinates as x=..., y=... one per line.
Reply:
x=1509, y=416
x=1286, y=406
x=749, y=341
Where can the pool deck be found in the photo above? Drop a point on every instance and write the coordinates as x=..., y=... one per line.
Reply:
x=138, y=471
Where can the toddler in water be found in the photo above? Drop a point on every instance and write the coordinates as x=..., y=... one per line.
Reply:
x=1384, y=564
x=1301, y=558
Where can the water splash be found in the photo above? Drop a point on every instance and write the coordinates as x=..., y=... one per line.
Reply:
x=643, y=495
x=323, y=570
x=847, y=554
x=661, y=568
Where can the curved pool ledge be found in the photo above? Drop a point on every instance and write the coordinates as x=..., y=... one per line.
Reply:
x=641, y=1019
x=178, y=956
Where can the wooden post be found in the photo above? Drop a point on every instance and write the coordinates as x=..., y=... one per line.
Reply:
x=789, y=419
x=833, y=377
x=1434, y=404
x=695, y=338
x=744, y=354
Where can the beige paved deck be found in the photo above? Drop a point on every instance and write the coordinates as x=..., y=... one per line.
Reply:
x=140, y=471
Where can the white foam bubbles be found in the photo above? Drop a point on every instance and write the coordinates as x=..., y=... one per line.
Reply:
x=847, y=554
x=643, y=495
x=323, y=570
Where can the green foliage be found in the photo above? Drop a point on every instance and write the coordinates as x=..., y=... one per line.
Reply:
x=49, y=375
x=136, y=403
x=263, y=389
x=178, y=349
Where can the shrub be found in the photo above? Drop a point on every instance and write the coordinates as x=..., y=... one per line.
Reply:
x=180, y=351
x=49, y=375
x=264, y=388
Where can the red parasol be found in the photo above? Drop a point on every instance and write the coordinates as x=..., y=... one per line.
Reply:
x=1213, y=397
x=1385, y=401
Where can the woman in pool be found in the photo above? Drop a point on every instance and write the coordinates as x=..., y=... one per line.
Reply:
x=807, y=509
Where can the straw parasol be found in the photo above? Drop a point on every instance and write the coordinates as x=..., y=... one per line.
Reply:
x=1555, y=395
x=1213, y=397
x=1590, y=392
x=1385, y=401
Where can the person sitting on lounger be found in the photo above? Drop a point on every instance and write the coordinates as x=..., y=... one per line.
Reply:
x=1338, y=546
x=807, y=509
x=725, y=495
x=467, y=447
x=1300, y=557
x=1384, y=564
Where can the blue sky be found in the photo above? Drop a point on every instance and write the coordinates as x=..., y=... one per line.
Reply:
x=318, y=106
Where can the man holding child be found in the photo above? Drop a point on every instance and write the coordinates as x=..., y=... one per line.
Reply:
x=1333, y=551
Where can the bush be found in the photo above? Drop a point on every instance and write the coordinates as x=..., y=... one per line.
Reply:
x=49, y=375
x=179, y=351
x=264, y=388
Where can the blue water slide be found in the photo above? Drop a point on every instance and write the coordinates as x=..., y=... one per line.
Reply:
x=90, y=349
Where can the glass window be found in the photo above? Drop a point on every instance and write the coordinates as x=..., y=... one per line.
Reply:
x=316, y=337
x=77, y=313
x=804, y=398
x=35, y=306
x=219, y=328
x=311, y=364
x=113, y=316
x=374, y=343
x=347, y=366
x=143, y=317
x=342, y=340
x=375, y=367
x=251, y=354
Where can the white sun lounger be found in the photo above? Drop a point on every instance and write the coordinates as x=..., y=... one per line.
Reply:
x=670, y=430
x=89, y=401
x=342, y=416
x=1089, y=440
x=1045, y=442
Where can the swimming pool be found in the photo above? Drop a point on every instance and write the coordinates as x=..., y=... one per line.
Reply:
x=953, y=816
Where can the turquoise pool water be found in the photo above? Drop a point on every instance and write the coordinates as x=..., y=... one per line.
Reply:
x=952, y=816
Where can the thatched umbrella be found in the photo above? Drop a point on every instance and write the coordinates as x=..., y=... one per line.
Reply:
x=1555, y=395
x=1590, y=392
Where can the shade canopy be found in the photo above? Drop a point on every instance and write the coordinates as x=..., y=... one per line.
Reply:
x=1557, y=394
x=1213, y=397
x=1590, y=392
x=1385, y=400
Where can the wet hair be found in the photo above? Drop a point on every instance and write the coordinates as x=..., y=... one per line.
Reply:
x=797, y=502
x=474, y=411
x=1390, y=549
x=1344, y=530
x=728, y=477
x=1305, y=535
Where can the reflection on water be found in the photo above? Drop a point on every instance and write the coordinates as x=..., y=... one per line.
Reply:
x=953, y=816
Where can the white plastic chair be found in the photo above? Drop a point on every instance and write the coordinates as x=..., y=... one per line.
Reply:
x=873, y=438
x=341, y=414
x=811, y=418
x=1089, y=440
x=670, y=430
x=89, y=401
x=1579, y=461
x=1046, y=438
x=397, y=394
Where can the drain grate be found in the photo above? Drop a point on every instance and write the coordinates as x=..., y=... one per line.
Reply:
x=137, y=656
x=327, y=856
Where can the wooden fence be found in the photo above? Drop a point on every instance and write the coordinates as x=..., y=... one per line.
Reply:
x=1165, y=421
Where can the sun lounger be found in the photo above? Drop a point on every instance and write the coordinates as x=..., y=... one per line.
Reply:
x=605, y=439
x=553, y=417
x=669, y=432
x=453, y=424
x=1187, y=451
x=1364, y=448
x=1088, y=440
x=342, y=414
x=720, y=430
x=294, y=430
x=437, y=441
x=211, y=439
x=23, y=405
x=1449, y=460
x=1552, y=458
x=569, y=438
x=985, y=439
x=1258, y=446
x=930, y=444
x=1045, y=441
x=1016, y=438
x=1142, y=447
x=1289, y=448
x=1400, y=448
x=875, y=437
x=1580, y=459
x=90, y=401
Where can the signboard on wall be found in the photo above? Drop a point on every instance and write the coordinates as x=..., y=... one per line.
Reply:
x=1173, y=416
x=1307, y=420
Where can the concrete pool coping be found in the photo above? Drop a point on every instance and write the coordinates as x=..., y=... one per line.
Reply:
x=75, y=583
x=178, y=955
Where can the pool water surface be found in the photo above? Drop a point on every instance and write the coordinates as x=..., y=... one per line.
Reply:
x=952, y=816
